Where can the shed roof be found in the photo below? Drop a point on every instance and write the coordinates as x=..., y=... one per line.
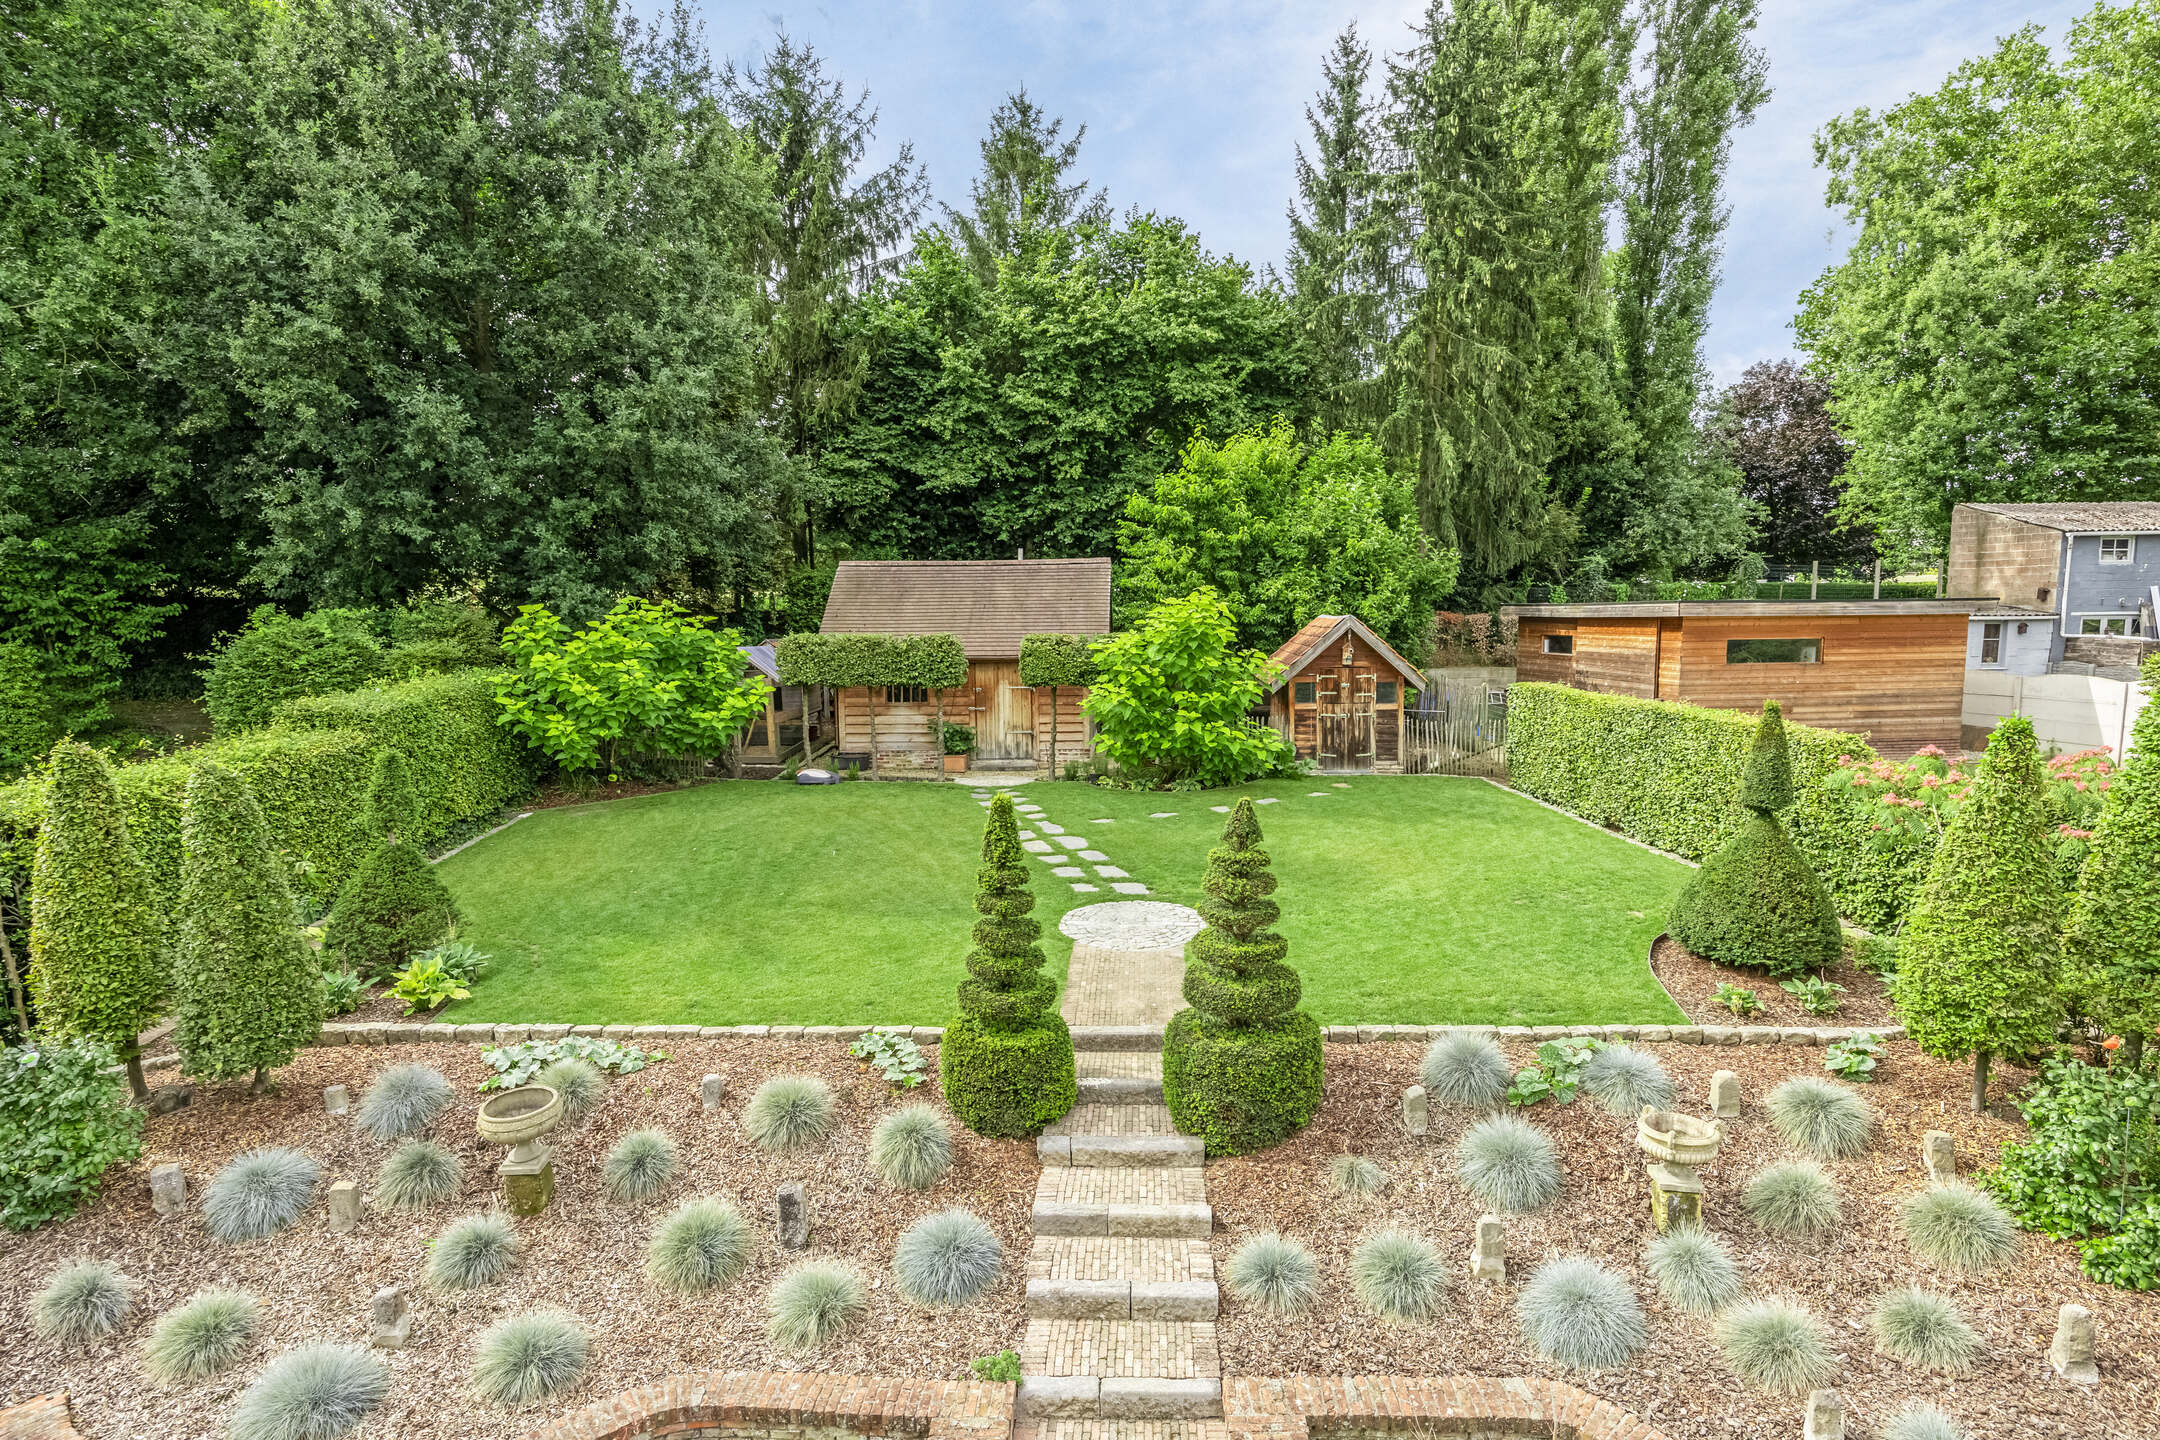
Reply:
x=764, y=659
x=1683, y=609
x=990, y=604
x=1322, y=631
x=2101, y=517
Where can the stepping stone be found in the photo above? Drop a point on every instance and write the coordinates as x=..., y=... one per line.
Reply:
x=1102, y=822
x=1093, y=856
x=1127, y=887
x=1027, y=834
x=1133, y=925
x=1269, y=801
x=1163, y=815
x=1316, y=794
x=1085, y=888
x=1049, y=829
x=1339, y=785
x=1036, y=847
x=1111, y=872
x=1029, y=809
x=1070, y=872
x=1220, y=809
x=981, y=794
x=1072, y=842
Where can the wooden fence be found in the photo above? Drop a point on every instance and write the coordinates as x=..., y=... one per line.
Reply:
x=1459, y=728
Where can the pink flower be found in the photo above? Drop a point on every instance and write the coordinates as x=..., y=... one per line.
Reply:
x=2100, y=784
x=2079, y=783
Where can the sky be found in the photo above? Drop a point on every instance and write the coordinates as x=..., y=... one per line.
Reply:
x=1194, y=108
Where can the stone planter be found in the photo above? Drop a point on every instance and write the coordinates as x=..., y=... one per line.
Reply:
x=956, y=764
x=518, y=1118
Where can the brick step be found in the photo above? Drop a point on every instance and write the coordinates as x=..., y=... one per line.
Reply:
x=1136, y=1258
x=1120, y=1090
x=1123, y=1117
x=1129, y=1430
x=1157, y=1222
x=1110, y=1151
x=1117, y=1037
x=1118, y=1064
x=1122, y=1300
x=1082, y=1398
x=1062, y=1185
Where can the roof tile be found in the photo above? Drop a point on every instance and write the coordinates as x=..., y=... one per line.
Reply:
x=989, y=604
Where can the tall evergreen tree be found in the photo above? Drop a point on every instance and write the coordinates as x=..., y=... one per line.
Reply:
x=1022, y=190
x=392, y=907
x=2111, y=945
x=250, y=990
x=97, y=950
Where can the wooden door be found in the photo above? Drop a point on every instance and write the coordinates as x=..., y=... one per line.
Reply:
x=1360, y=739
x=1332, y=719
x=1003, y=711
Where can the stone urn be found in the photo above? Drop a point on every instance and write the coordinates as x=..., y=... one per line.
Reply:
x=518, y=1118
x=1678, y=1145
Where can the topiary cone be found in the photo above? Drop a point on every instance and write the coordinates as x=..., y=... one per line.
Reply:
x=2111, y=944
x=391, y=907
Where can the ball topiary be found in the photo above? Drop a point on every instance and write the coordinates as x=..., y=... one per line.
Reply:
x=1355, y=1175
x=702, y=1244
x=85, y=1300
x=812, y=1303
x=640, y=1166
x=1398, y=1276
x=403, y=1100
x=1508, y=1164
x=1576, y=1312
x=1820, y=1118
x=1693, y=1270
x=1960, y=1229
x=912, y=1147
x=578, y=1082
x=316, y=1392
x=1923, y=1422
x=473, y=1252
x=1924, y=1329
x=207, y=1335
x=1464, y=1069
x=946, y=1259
x=1792, y=1199
x=416, y=1174
x=1624, y=1080
x=1007, y=1061
x=1774, y=1345
x=529, y=1357
x=1274, y=1274
x=789, y=1111
x=259, y=1194
x=1757, y=902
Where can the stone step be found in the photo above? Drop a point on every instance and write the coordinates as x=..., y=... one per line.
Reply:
x=1154, y=1222
x=1114, y=1300
x=1120, y=1150
x=1129, y=1430
x=1126, y=1349
x=1120, y=1090
x=1180, y=1185
x=1135, y=1258
x=1118, y=1064
x=1122, y=1117
x=1117, y=1037
x=1081, y=1398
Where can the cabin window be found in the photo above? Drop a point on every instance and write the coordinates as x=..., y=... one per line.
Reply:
x=2116, y=549
x=2104, y=625
x=1991, y=643
x=907, y=695
x=1302, y=692
x=1559, y=644
x=1384, y=692
x=1773, y=652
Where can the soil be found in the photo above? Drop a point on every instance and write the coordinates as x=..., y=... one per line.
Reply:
x=554, y=796
x=585, y=1254
x=1680, y=1383
x=1692, y=980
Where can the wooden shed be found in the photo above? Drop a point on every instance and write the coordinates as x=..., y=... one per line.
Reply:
x=991, y=605
x=1893, y=670
x=1342, y=695
x=795, y=716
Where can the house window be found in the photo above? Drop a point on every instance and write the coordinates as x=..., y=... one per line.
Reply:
x=2104, y=625
x=1559, y=644
x=907, y=695
x=1302, y=692
x=1384, y=692
x=2116, y=549
x=1991, y=643
x=1773, y=652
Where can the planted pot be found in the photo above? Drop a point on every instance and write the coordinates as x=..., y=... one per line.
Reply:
x=955, y=764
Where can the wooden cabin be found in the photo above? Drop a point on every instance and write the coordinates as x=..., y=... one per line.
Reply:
x=794, y=714
x=1342, y=694
x=991, y=605
x=1893, y=670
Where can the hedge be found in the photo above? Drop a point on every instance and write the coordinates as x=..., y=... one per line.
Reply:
x=937, y=662
x=1052, y=659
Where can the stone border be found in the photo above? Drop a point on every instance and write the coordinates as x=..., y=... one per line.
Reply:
x=716, y=1403
x=1641, y=1034
x=1298, y=1407
x=392, y=1032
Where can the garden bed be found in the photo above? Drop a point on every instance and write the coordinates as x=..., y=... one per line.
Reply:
x=1693, y=981
x=1680, y=1382
x=585, y=1254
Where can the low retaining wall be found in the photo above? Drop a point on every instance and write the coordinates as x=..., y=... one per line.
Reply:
x=774, y=1405
x=47, y=1417
x=1308, y=1407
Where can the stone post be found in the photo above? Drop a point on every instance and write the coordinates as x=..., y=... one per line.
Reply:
x=1825, y=1416
x=1725, y=1095
x=336, y=1101
x=712, y=1090
x=389, y=1319
x=1488, y=1255
x=2076, y=1346
x=168, y=1188
x=1675, y=1197
x=344, y=1207
x=1416, y=1114
x=792, y=1208
x=1938, y=1153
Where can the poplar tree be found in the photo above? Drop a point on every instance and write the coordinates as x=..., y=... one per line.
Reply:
x=392, y=906
x=2111, y=945
x=1022, y=190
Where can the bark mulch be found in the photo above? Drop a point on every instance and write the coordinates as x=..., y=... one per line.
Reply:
x=1692, y=980
x=1680, y=1383
x=585, y=1254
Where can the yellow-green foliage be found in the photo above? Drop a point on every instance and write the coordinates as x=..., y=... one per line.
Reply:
x=2111, y=946
x=936, y=661
x=1052, y=659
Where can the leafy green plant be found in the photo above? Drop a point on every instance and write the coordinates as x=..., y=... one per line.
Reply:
x=1855, y=1057
x=2111, y=937
x=474, y=1251
x=342, y=991
x=1693, y=1270
x=703, y=1243
x=2091, y=1157
x=521, y=1063
x=84, y=1300
x=403, y=1100
x=1924, y=1329
x=1959, y=1228
x=2128, y=1255
x=1464, y=1069
x=1736, y=998
x=63, y=1122
x=260, y=1193
x=789, y=1111
x=1508, y=1164
x=893, y=1054
x=1273, y=1273
x=1818, y=1118
x=947, y=1258
x=417, y=1174
x=959, y=739
x=1576, y=1312
x=1171, y=695
x=912, y=1147
x=1557, y=1074
x=1816, y=995
x=812, y=1303
x=530, y=1356
x=316, y=1392
x=204, y=1337
x=427, y=985
x=640, y=1165
x=1793, y=1199
x=1002, y=1368
x=277, y=657
x=1775, y=1345
x=1398, y=1276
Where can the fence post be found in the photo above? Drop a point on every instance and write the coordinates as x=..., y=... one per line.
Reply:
x=1878, y=577
x=1814, y=577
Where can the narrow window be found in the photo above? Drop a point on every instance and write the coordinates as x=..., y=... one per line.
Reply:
x=2115, y=549
x=1559, y=644
x=2120, y=625
x=2090, y=625
x=906, y=695
x=1991, y=643
x=1302, y=692
x=1384, y=693
x=1773, y=652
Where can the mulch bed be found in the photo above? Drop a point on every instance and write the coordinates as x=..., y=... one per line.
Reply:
x=1692, y=980
x=1680, y=1383
x=585, y=1254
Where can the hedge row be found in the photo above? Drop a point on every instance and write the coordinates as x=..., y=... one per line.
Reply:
x=842, y=661
x=1052, y=659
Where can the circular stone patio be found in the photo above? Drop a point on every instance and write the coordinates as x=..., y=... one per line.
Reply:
x=1132, y=924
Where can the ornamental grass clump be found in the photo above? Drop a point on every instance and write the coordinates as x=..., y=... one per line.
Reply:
x=84, y=1300
x=1925, y=1329
x=1008, y=1060
x=1508, y=1164
x=912, y=1147
x=1774, y=1345
x=317, y=1392
x=812, y=1303
x=578, y=1082
x=1274, y=1273
x=789, y=1111
x=472, y=1252
x=1355, y=1175
x=403, y=1100
x=1919, y=1421
x=1624, y=1080
x=1398, y=1276
x=1795, y=1198
x=1821, y=1118
x=259, y=1194
x=946, y=1259
x=529, y=1357
x=1242, y=1065
x=640, y=1166
x=703, y=1243
x=1960, y=1229
x=207, y=1335
x=1693, y=1270
x=1578, y=1313
x=417, y=1174
x=1465, y=1070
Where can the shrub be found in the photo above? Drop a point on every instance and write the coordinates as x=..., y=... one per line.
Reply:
x=1171, y=695
x=277, y=657
x=63, y=1121
x=1576, y=1312
x=393, y=907
x=577, y=1082
x=1508, y=1164
x=1002, y=1368
x=1958, y=1228
x=946, y=1259
x=1924, y=1329
x=207, y=1335
x=812, y=1303
x=1625, y=1080
x=912, y=1147
x=788, y=1111
x=418, y=1173
x=84, y=1300
x=1466, y=1070
x=640, y=1166
x=259, y=1194
x=2091, y=1148
x=1355, y=1175
x=1923, y=1422
x=529, y=1357
x=1792, y=1199
x=1774, y=1345
x=1007, y=1060
x=2111, y=941
x=27, y=710
x=473, y=1252
x=403, y=1100
x=1693, y=1270
x=1242, y=1066
x=1398, y=1276
x=1274, y=1273
x=2128, y=1256
x=316, y=1392
x=702, y=1244
x=1821, y=1118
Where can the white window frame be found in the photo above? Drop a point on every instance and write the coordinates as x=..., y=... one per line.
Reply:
x=2103, y=622
x=1991, y=633
x=2129, y=553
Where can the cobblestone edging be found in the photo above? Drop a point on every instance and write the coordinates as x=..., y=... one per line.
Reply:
x=386, y=1032
x=1300, y=1406
x=1640, y=1034
x=768, y=1405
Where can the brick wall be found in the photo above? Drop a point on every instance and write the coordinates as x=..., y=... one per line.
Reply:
x=2008, y=559
x=1462, y=1407
x=44, y=1418
x=773, y=1405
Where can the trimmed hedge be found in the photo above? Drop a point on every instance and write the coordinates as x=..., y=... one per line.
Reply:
x=1052, y=659
x=277, y=656
x=844, y=661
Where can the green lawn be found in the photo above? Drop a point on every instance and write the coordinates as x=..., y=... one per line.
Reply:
x=1413, y=901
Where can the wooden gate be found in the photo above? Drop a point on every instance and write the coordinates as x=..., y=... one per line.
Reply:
x=1459, y=728
x=1002, y=711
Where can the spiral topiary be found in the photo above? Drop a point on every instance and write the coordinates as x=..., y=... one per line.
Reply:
x=1242, y=1066
x=1008, y=1060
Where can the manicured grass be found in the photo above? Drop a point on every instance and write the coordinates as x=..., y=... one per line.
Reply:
x=1415, y=901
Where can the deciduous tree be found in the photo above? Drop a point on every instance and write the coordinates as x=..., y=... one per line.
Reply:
x=1172, y=693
